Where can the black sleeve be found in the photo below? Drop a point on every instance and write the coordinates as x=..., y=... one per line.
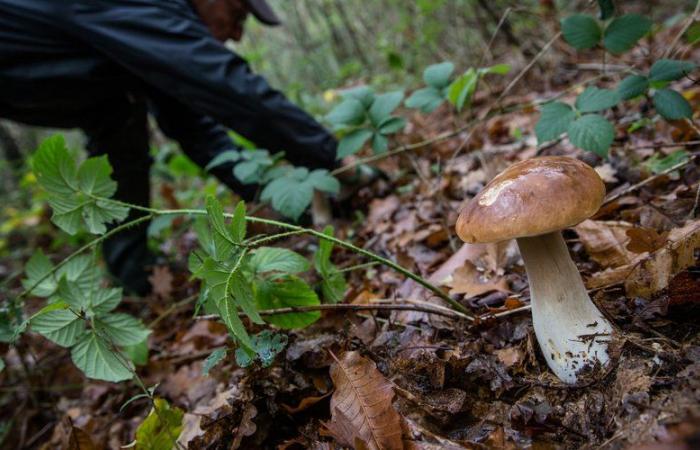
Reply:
x=165, y=44
x=200, y=137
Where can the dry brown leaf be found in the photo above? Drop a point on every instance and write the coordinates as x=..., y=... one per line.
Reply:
x=655, y=272
x=605, y=242
x=644, y=240
x=162, y=282
x=471, y=282
x=510, y=356
x=362, y=414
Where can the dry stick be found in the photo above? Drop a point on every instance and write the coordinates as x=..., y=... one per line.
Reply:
x=646, y=181
x=346, y=307
x=694, y=16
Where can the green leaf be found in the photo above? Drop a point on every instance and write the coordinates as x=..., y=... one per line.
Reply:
x=37, y=272
x=266, y=345
x=121, y=329
x=592, y=132
x=670, y=70
x=352, y=142
x=323, y=181
x=384, y=105
x=632, y=86
x=287, y=291
x=290, y=194
x=60, y=326
x=277, y=259
x=137, y=353
x=427, y=99
x=658, y=164
x=392, y=125
x=72, y=191
x=438, y=75
x=364, y=94
x=554, y=120
x=498, y=69
x=213, y=359
x=693, y=33
x=462, y=89
x=594, y=99
x=380, y=143
x=333, y=285
x=350, y=111
x=223, y=158
x=606, y=9
x=103, y=300
x=623, y=32
x=161, y=428
x=71, y=293
x=97, y=359
x=224, y=243
x=581, y=31
x=253, y=165
x=238, y=223
x=671, y=105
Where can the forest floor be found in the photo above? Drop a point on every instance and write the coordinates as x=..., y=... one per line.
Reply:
x=451, y=383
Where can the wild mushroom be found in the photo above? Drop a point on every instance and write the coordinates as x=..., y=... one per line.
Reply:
x=532, y=201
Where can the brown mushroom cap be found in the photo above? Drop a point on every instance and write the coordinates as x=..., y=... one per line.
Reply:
x=532, y=197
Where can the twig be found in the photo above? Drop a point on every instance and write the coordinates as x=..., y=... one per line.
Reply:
x=687, y=25
x=660, y=145
x=347, y=307
x=646, y=181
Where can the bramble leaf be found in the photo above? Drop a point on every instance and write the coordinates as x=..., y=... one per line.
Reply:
x=632, y=86
x=286, y=291
x=352, y=142
x=384, y=105
x=594, y=99
x=671, y=105
x=277, y=259
x=97, y=359
x=624, y=32
x=592, y=132
x=581, y=31
x=426, y=99
x=161, y=428
x=438, y=75
x=670, y=70
x=554, y=120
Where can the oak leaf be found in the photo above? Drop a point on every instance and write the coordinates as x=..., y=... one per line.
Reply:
x=362, y=414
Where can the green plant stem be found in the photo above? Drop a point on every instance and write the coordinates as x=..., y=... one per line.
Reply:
x=89, y=245
x=301, y=230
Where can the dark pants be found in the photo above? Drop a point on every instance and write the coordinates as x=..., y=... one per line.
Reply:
x=117, y=127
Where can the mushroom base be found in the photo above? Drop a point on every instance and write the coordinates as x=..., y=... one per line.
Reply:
x=573, y=334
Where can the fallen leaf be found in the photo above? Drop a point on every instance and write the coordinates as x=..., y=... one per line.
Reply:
x=607, y=173
x=471, y=282
x=644, y=240
x=162, y=282
x=362, y=414
x=510, y=356
x=605, y=242
x=305, y=403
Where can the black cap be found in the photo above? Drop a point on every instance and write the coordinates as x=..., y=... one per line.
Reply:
x=263, y=12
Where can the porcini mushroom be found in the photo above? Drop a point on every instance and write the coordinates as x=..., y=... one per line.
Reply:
x=532, y=201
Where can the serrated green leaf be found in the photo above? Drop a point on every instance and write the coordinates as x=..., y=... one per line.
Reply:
x=333, y=285
x=137, y=353
x=462, y=89
x=213, y=359
x=73, y=295
x=581, y=31
x=671, y=105
x=224, y=244
x=161, y=428
x=238, y=223
x=287, y=291
x=266, y=346
x=253, y=165
x=121, y=329
x=105, y=300
x=365, y=94
x=72, y=190
x=594, y=99
x=438, y=75
x=658, y=164
x=290, y=195
x=350, y=111
x=670, y=70
x=498, y=69
x=426, y=99
x=623, y=32
x=352, y=142
x=632, y=86
x=277, y=259
x=37, y=272
x=60, y=326
x=592, y=132
x=380, y=143
x=323, y=181
x=554, y=120
x=223, y=158
x=97, y=359
x=384, y=105
x=392, y=125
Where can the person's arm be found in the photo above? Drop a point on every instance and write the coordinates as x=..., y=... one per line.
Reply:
x=165, y=44
x=200, y=137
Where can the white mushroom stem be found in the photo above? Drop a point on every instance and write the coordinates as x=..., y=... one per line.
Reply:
x=573, y=334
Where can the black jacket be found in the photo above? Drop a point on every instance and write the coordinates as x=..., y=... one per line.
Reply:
x=56, y=54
